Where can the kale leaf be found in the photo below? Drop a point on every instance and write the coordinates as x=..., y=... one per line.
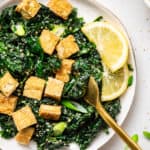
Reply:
x=23, y=56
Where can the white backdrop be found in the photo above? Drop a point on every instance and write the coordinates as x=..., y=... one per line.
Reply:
x=136, y=18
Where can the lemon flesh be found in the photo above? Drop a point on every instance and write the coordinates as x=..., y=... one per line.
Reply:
x=114, y=84
x=113, y=49
x=110, y=42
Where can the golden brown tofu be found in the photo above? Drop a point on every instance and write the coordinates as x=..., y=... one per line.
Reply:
x=54, y=88
x=7, y=104
x=67, y=47
x=28, y=8
x=34, y=87
x=48, y=41
x=50, y=112
x=62, y=8
x=62, y=76
x=23, y=118
x=65, y=70
x=24, y=136
x=67, y=65
x=8, y=84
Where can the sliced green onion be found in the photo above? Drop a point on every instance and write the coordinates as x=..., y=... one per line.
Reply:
x=58, y=30
x=98, y=18
x=135, y=138
x=18, y=29
x=59, y=128
x=130, y=67
x=130, y=80
x=74, y=106
x=146, y=134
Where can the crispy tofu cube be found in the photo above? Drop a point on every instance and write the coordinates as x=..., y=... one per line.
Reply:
x=67, y=65
x=50, y=112
x=28, y=8
x=34, y=87
x=24, y=118
x=62, y=76
x=67, y=47
x=65, y=70
x=8, y=84
x=62, y=8
x=24, y=136
x=48, y=41
x=54, y=88
x=7, y=104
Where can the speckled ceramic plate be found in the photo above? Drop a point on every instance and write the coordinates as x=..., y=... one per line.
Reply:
x=89, y=9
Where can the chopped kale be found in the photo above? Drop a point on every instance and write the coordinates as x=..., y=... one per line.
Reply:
x=8, y=128
x=23, y=56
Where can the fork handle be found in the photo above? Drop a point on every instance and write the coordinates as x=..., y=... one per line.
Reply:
x=108, y=119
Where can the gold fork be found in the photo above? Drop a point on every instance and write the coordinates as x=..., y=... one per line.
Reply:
x=92, y=97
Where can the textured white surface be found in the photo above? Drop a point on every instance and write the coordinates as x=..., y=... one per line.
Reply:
x=135, y=15
x=147, y=2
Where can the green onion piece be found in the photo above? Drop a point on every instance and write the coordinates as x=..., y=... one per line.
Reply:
x=18, y=29
x=135, y=138
x=130, y=67
x=98, y=18
x=146, y=134
x=58, y=30
x=59, y=128
x=130, y=80
x=74, y=106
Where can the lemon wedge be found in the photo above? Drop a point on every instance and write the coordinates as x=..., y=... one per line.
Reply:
x=110, y=42
x=114, y=84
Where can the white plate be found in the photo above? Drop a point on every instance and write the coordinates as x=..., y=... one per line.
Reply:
x=89, y=9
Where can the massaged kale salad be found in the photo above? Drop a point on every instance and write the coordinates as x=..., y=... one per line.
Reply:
x=45, y=65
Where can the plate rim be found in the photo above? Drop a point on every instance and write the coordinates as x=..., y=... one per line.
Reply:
x=98, y=4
